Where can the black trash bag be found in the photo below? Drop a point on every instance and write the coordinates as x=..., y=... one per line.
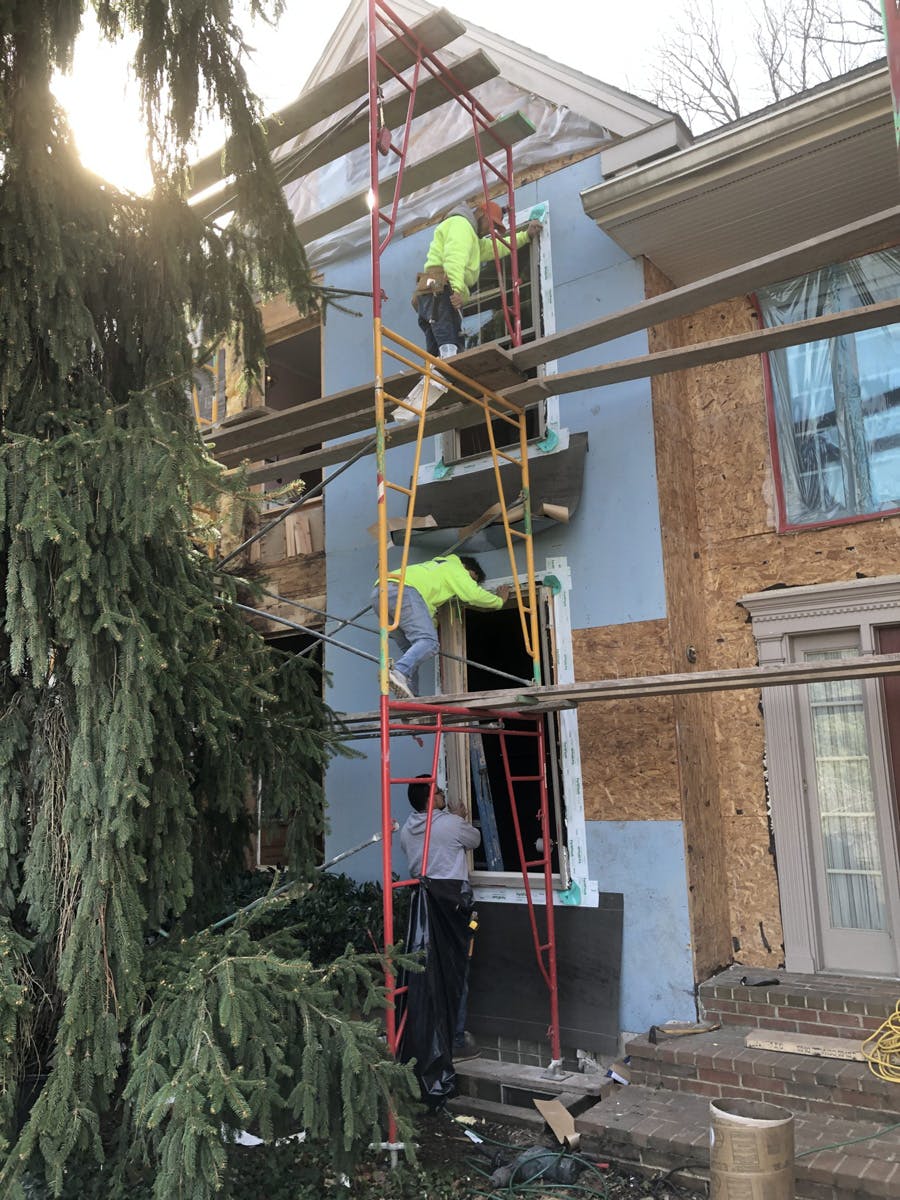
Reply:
x=439, y=927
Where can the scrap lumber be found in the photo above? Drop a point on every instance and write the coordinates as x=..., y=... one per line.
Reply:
x=868, y=666
x=805, y=1043
x=344, y=138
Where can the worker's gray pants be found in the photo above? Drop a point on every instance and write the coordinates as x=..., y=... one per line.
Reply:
x=415, y=635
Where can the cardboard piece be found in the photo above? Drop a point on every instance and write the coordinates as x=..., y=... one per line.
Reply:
x=620, y=1072
x=806, y=1043
x=560, y=1121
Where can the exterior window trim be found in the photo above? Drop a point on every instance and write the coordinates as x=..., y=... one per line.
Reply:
x=506, y=887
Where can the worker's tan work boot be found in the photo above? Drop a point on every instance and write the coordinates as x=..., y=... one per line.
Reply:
x=415, y=397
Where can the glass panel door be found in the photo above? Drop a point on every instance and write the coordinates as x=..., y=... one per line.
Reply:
x=844, y=815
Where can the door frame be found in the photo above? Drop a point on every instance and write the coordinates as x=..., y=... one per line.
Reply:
x=780, y=619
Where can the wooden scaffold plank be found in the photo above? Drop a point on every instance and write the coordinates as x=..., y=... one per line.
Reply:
x=321, y=101
x=470, y=72
x=681, y=358
x=798, y=259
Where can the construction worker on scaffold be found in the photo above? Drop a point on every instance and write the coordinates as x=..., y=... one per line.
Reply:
x=461, y=243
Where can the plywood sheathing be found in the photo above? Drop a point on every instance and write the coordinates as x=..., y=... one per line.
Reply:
x=628, y=763
x=689, y=644
x=719, y=415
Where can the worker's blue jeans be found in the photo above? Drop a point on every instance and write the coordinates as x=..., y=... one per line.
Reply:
x=439, y=321
x=415, y=635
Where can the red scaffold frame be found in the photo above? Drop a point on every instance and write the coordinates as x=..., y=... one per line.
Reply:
x=394, y=716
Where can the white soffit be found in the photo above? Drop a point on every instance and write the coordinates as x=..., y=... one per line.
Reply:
x=805, y=168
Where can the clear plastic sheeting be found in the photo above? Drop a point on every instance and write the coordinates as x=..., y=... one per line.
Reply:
x=836, y=402
x=558, y=131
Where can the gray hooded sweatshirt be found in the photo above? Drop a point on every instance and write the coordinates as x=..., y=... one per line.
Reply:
x=451, y=837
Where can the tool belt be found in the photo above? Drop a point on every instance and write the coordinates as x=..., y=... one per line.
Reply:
x=431, y=281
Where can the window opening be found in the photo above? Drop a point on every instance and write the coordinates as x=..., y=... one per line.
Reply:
x=208, y=389
x=483, y=322
x=834, y=405
x=293, y=377
x=495, y=639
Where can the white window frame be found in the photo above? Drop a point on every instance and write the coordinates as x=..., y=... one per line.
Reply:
x=505, y=887
x=553, y=438
x=781, y=619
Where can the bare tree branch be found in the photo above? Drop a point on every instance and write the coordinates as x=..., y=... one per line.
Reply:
x=796, y=44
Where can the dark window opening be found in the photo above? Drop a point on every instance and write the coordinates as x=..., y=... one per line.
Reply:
x=272, y=848
x=294, y=376
x=495, y=639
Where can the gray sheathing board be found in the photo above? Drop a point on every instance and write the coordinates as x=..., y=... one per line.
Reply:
x=507, y=993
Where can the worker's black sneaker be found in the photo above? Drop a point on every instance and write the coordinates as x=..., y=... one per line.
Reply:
x=400, y=685
x=466, y=1049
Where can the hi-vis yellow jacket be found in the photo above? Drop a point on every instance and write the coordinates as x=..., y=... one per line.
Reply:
x=442, y=579
x=457, y=248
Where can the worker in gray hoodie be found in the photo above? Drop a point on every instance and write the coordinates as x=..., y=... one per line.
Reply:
x=452, y=835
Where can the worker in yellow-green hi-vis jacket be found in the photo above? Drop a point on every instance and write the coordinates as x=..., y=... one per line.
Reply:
x=427, y=586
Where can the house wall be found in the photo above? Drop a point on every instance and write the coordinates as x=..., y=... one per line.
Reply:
x=613, y=550
x=720, y=540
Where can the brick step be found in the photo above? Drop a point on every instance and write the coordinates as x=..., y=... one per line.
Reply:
x=826, y=1005
x=720, y=1064
x=657, y=1129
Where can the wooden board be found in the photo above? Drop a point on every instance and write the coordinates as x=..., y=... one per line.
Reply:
x=350, y=411
x=589, y=955
x=324, y=99
x=866, y=666
x=798, y=259
x=680, y=358
x=456, y=416
x=805, y=1043
x=505, y=132
x=470, y=72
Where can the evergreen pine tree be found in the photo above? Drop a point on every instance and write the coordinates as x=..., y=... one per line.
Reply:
x=135, y=705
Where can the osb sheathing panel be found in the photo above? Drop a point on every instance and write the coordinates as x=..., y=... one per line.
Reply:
x=715, y=418
x=688, y=631
x=628, y=763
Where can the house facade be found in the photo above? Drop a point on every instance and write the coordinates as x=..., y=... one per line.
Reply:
x=735, y=514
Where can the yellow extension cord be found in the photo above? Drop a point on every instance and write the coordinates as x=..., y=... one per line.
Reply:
x=882, y=1049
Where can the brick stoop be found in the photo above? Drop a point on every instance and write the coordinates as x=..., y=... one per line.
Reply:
x=847, y=1006
x=718, y=1064
x=658, y=1129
